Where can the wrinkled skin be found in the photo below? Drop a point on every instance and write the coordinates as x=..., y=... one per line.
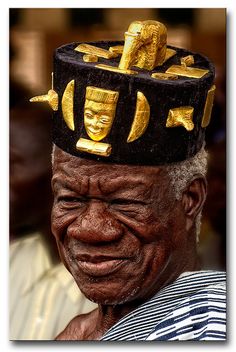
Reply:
x=126, y=217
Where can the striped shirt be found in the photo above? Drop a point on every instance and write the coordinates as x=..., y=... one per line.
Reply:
x=191, y=308
x=43, y=296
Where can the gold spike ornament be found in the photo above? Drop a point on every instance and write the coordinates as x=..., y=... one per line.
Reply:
x=51, y=97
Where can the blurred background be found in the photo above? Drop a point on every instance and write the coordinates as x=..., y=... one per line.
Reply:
x=35, y=33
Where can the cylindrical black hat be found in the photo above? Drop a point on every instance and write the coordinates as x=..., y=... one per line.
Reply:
x=138, y=101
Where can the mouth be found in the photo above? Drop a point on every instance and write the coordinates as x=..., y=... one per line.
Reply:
x=94, y=131
x=100, y=265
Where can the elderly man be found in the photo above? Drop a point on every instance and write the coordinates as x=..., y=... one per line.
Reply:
x=129, y=185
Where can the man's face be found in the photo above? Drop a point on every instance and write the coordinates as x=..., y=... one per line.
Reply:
x=119, y=230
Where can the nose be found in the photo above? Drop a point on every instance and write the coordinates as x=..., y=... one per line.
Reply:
x=97, y=225
x=95, y=121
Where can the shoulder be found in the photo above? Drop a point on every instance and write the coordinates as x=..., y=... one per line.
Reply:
x=78, y=327
x=201, y=315
x=71, y=332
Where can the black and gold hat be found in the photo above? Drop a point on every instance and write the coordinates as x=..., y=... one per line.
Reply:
x=137, y=101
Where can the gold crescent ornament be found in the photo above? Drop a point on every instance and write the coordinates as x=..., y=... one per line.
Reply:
x=67, y=104
x=141, y=118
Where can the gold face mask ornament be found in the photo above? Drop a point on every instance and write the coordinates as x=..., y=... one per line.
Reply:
x=99, y=113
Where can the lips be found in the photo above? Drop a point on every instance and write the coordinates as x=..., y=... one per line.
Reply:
x=94, y=131
x=100, y=266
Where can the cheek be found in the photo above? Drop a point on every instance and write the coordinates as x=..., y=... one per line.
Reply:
x=147, y=226
x=102, y=127
x=88, y=122
x=60, y=220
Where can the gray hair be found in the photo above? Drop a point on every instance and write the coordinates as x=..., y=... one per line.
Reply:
x=182, y=173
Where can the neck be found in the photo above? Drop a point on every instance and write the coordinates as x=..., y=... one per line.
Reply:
x=109, y=315
x=105, y=317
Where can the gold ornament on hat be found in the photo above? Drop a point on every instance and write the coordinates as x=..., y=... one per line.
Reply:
x=98, y=148
x=99, y=113
x=144, y=47
x=51, y=98
x=94, y=50
x=208, y=106
x=141, y=118
x=90, y=58
x=181, y=116
x=185, y=70
x=67, y=104
x=117, y=49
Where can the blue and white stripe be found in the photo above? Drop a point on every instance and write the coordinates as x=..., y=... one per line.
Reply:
x=191, y=308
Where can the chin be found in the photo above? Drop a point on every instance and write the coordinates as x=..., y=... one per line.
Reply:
x=108, y=294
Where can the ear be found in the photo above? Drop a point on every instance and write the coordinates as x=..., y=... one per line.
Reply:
x=193, y=199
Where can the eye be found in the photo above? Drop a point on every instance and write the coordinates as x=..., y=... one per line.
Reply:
x=88, y=115
x=130, y=209
x=105, y=119
x=127, y=205
x=70, y=201
x=120, y=201
x=124, y=201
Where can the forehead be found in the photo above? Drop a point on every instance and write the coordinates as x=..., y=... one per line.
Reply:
x=68, y=166
x=95, y=106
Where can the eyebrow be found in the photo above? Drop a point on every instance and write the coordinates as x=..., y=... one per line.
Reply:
x=136, y=188
x=56, y=183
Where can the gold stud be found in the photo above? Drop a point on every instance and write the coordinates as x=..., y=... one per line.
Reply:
x=187, y=60
x=90, y=58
